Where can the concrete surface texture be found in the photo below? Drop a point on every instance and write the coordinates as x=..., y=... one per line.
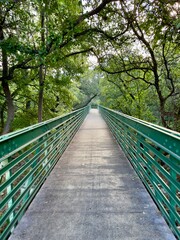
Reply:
x=93, y=193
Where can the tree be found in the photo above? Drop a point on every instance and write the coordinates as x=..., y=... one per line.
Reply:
x=43, y=42
x=25, y=48
x=89, y=88
x=147, y=50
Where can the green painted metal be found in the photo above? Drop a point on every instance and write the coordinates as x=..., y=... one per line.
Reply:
x=26, y=159
x=154, y=152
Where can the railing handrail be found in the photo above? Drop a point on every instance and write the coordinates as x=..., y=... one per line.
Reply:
x=149, y=124
x=34, y=126
x=170, y=134
x=8, y=139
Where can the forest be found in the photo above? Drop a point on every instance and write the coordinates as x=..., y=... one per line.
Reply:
x=60, y=55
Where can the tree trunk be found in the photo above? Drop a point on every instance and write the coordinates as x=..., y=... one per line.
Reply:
x=2, y=108
x=41, y=91
x=162, y=111
x=162, y=100
x=10, y=107
x=6, y=89
x=41, y=72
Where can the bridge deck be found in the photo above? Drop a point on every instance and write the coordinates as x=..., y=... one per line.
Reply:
x=92, y=194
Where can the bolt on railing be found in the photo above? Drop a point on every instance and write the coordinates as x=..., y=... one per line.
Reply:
x=154, y=152
x=26, y=159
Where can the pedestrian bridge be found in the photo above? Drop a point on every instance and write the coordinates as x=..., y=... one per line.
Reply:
x=102, y=187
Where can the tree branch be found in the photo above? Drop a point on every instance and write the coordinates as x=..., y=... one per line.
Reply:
x=89, y=100
x=80, y=19
x=78, y=52
x=167, y=69
x=93, y=12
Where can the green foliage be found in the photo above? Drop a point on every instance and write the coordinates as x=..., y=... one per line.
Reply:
x=137, y=48
x=131, y=101
x=88, y=88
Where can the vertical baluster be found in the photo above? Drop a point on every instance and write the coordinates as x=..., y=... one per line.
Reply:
x=9, y=187
x=173, y=194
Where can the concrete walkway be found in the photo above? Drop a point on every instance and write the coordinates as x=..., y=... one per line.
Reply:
x=93, y=194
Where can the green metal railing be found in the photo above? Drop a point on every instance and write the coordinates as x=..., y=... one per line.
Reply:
x=154, y=153
x=26, y=159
